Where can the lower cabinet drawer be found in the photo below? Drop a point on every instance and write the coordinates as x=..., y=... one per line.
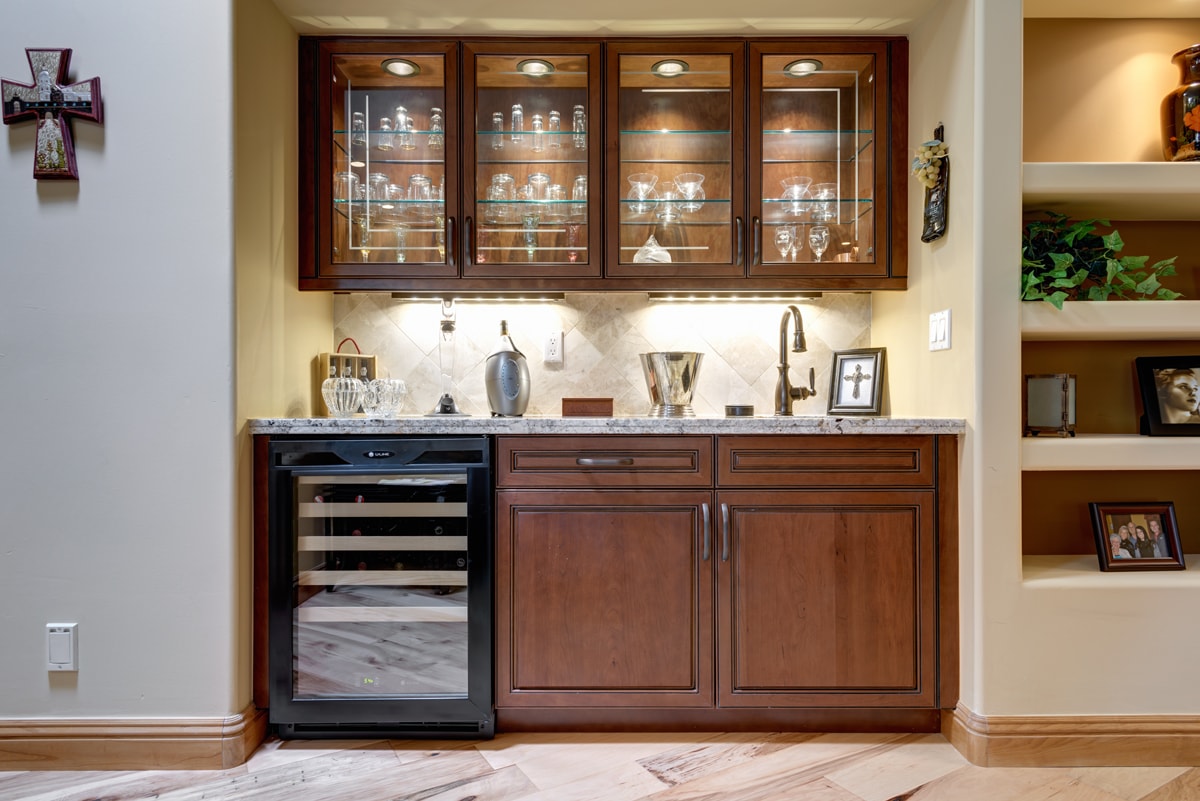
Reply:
x=816, y=461
x=603, y=461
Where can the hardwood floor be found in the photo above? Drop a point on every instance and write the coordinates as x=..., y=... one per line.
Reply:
x=701, y=766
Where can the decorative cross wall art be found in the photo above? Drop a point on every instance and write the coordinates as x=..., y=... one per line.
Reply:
x=53, y=103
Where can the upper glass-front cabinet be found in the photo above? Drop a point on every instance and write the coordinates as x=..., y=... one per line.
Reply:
x=385, y=184
x=676, y=197
x=819, y=158
x=532, y=160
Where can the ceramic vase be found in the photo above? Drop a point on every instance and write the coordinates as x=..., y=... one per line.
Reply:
x=1181, y=109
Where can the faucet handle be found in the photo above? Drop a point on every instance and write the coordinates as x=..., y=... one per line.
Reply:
x=801, y=393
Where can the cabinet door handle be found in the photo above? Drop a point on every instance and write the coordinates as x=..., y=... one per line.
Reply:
x=756, y=243
x=451, y=249
x=739, y=228
x=589, y=461
x=724, y=532
x=707, y=529
x=468, y=240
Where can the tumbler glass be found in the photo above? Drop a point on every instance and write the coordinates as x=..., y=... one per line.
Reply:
x=344, y=186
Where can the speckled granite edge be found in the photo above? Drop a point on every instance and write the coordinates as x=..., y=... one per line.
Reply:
x=609, y=425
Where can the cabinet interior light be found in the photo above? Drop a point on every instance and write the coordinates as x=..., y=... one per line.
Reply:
x=401, y=66
x=535, y=67
x=669, y=68
x=802, y=67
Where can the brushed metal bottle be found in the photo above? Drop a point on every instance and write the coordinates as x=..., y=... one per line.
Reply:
x=506, y=377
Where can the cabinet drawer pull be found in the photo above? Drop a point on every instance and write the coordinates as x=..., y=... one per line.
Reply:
x=590, y=461
x=724, y=532
x=451, y=243
x=707, y=529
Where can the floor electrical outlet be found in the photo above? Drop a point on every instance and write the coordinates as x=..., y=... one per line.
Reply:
x=553, y=351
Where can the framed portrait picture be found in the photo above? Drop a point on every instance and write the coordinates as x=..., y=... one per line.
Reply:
x=856, y=382
x=1169, y=388
x=1136, y=536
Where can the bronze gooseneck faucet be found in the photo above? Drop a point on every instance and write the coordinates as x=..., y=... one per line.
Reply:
x=785, y=393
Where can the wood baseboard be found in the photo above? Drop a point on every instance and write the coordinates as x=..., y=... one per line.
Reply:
x=1044, y=741
x=131, y=743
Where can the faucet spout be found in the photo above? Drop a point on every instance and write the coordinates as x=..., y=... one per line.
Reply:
x=785, y=393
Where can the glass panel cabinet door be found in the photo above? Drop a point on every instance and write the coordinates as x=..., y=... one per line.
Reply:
x=533, y=161
x=676, y=192
x=819, y=180
x=386, y=191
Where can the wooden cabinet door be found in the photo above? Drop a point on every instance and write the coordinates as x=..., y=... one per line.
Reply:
x=379, y=163
x=603, y=599
x=826, y=598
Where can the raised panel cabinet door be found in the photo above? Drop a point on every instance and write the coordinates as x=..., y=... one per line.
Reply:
x=603, y=599
x=826, y=599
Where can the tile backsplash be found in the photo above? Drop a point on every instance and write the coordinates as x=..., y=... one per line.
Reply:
x=604, y=333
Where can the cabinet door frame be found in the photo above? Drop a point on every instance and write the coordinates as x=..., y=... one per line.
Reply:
x=510, y=504
x=615, y=193
x=738, y=506
x=891, y=170
x=315, y=189
x=592, y=50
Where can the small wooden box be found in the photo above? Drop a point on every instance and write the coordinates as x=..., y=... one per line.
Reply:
x=587, y=407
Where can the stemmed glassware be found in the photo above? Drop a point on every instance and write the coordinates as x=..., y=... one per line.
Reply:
x=785, y=241
x=642, y=192
x=689, y=184
x=818, y=240
x=795, y=190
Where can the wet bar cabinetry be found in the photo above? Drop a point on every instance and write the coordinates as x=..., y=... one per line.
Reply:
x=634, y=164
x=803, y=582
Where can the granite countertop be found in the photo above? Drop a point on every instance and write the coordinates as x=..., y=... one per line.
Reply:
x=535, y=424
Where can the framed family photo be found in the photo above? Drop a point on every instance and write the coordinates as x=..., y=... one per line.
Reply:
x=1137, y=536
x=1169, y=389
x=856, y=383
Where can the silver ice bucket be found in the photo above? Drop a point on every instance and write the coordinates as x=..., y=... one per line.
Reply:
x=671, y=381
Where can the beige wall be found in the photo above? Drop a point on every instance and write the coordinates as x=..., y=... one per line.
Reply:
x=278, y=328
x=116, y=346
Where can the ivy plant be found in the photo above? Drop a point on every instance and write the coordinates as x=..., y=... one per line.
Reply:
x=1062, y=260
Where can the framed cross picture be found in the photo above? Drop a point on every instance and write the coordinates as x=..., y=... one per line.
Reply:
x=856, y=383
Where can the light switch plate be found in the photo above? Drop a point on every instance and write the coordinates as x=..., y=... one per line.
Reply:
x=62, y=646
x=939, y=330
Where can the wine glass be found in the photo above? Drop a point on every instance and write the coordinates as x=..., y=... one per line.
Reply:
x=574, y=229
x=785, y=240
x=818, y=240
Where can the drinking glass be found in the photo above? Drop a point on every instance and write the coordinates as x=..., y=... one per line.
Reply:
x=642, y=192
x=420, y=195
x=574, y=230
x=401, y=233
x=497, y=130
x=385, y=139
x=668, y=208
x=554, y=129
x=518, y=122
x=538, y=182
x=344, y=186
x=579, y=127
x=795, y=189
x=506, y=192
x=377, y=183
x=556, y=209
x=818, y=240
x=825, y=207
x=785, y=241
x=539, y=134
x=358, y=128
x=402, y=136
x=531, y=218
x=437, y=134
x=579, y=194
x=688, y=184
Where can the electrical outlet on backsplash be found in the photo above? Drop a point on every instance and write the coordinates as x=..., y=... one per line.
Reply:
x=603, y=335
